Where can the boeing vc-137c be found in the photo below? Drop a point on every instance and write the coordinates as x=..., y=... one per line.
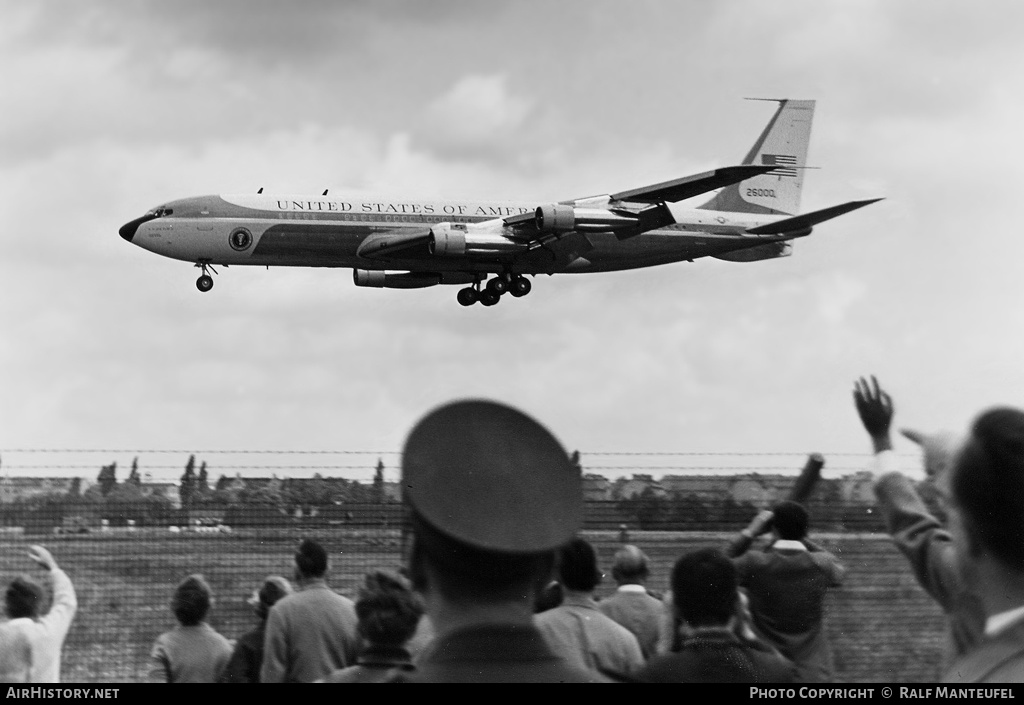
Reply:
x=407, y=244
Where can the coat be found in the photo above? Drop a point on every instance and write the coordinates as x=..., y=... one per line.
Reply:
x=718, y=656
x=496, y=653
x=997, y=659
x=787, y=590
x=310, y=634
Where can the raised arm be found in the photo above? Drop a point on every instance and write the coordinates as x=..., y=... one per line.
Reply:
x=760, y=524
x=915, y=531
x=58, y=620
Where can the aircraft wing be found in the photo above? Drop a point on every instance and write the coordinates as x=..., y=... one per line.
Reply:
x=807, y=220
x=627, y=213
x=689, y=186
x=645, y=206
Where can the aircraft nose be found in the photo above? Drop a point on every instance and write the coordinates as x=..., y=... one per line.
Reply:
x=127, y=231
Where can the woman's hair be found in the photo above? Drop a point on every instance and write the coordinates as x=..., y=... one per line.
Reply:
x=273, y=589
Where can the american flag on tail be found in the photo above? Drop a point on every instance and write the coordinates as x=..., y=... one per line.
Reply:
x=782, y=160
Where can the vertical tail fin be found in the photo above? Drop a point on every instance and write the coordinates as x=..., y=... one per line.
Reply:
x=783, y=143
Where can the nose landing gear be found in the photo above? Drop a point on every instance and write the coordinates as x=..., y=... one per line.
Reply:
x=205, y=282
x=515, y=284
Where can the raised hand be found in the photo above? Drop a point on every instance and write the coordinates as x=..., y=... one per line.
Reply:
x=41, y=556
x=875, y=408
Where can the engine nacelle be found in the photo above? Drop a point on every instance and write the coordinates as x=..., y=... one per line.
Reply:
x=769, y=250
x=446, y=241
x=381, y=279
x=558, y=218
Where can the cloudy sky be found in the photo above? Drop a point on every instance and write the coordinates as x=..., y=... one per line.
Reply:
x=110, y=108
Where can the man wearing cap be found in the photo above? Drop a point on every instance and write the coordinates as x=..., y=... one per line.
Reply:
x=631, y=605
x=312, y=632
x=918, y=534
x=30, y=641
x=492, y=495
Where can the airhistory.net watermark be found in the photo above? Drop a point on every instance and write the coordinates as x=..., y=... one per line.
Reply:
x=61, y=693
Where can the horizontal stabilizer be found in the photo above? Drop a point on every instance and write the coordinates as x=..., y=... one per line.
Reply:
x=807, y=220
x=688, y=186
x=384, y=244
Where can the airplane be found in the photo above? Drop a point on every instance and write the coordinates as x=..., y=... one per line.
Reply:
x=489, y=248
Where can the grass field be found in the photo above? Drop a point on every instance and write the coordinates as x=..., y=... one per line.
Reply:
x=882, y=625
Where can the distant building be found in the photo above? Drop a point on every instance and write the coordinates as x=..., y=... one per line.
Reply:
x=634, y=487
x=751, y=489
x=13, y=489
x=393, y=491
x=700, y=486
x=596, y=488
x=169, y=490
x=858, y=489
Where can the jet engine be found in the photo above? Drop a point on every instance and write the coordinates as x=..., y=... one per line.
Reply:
x=380, y=279
x=558, y=218
x=769, y=250
x=447, y=241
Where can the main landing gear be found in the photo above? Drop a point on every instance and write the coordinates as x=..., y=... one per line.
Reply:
x=515, y=284
x=205, y=282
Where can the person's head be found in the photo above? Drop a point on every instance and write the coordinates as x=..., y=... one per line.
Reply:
x=630, y=566
x=24, y=598
x=704, y=588
x=790, y=521
x=463, y=573
x=191, y=600
x=492, y=495
x=986, y=489
x=388, y=609
x=310, y=560
x=273, y=589
x=577, y=566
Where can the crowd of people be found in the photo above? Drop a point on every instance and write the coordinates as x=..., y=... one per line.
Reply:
x=499, y=586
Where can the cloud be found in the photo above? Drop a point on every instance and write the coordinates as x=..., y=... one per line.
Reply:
x=121, y=110
x=476, y=113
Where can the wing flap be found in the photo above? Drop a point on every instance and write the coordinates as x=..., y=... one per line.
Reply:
x=807, y=220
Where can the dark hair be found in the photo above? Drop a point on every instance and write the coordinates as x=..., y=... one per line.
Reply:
x=470, y=571
x=388, y=609
x=24, y=598
x=704, y=587
x=578, y=566
x=987, y=484
x=790, y=520
x=548, y=597
x=630, y=565
x=311, y=559
x=191, y=600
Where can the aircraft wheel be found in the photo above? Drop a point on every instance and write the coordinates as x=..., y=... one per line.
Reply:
x=489, y=298
x=467, y=296
x=498, y=285
x=521, y=286
x=204, y=283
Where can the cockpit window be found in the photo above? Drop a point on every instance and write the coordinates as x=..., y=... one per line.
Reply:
x=161, y=211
